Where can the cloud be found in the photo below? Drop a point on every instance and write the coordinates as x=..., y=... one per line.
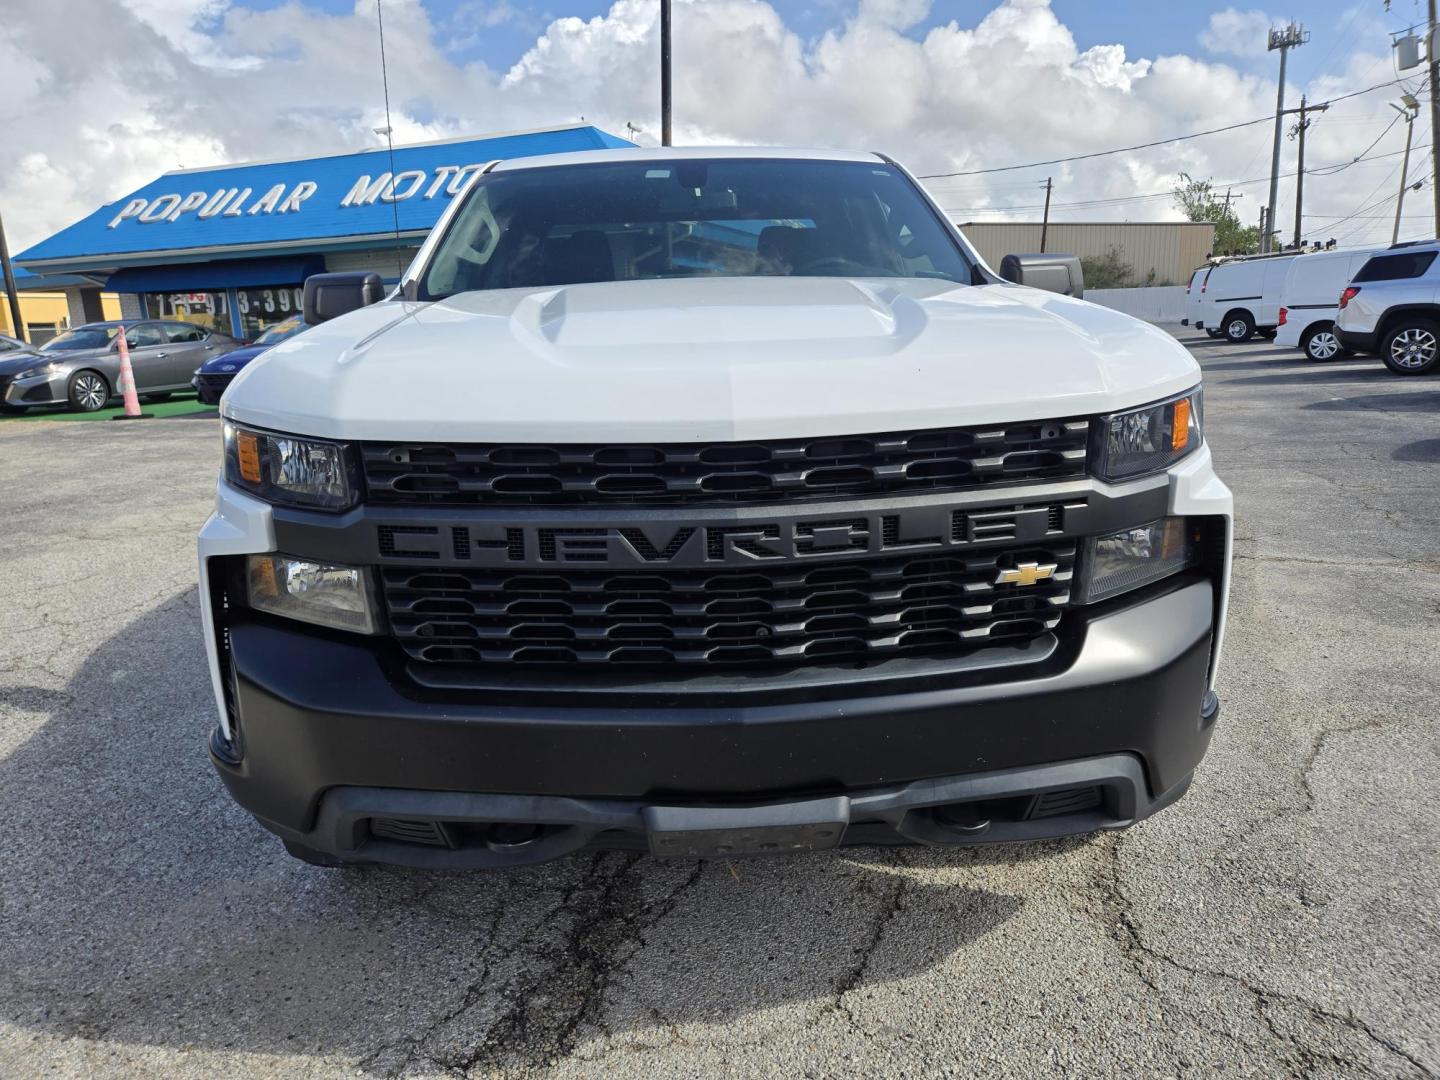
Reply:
x=1237, y=33
x=100, y=98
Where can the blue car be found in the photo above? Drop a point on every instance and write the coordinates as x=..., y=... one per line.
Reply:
x=213, y=376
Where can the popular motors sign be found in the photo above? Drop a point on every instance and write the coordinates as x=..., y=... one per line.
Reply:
x=290, y=198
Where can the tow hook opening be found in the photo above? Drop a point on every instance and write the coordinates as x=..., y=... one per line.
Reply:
x=962, y=818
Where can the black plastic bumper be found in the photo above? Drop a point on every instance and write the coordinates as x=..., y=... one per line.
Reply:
x=331, y=736
x=1357, y=341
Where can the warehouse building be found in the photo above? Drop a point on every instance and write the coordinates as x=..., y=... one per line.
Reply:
x=1143, y=252
x=230, y=247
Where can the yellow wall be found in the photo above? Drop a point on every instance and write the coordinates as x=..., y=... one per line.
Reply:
x=49, y=307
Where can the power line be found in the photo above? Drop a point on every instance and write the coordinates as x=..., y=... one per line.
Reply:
x=1323, y=170
x=1144, y=146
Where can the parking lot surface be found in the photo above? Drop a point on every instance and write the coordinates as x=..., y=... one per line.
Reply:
x=1281, y=920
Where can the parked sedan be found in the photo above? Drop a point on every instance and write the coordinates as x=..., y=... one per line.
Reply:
x=215, y=374
x=15, y=357
x=81, y=367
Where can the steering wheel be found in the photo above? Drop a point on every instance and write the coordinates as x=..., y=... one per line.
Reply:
x=836, y=263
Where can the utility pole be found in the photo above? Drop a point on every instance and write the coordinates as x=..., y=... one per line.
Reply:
x=1045, y=221
x=1284, y=40
x=14, y=296
x=1225, y=217
x=1434, y=116
x=1299, y=131
x=1410, y=112
x=1264, y=242
x=665, y=73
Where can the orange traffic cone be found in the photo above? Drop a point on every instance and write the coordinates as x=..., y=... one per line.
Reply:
x=127, y=382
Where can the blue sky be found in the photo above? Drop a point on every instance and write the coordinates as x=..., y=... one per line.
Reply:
x=1146, y=28
x=97, y=107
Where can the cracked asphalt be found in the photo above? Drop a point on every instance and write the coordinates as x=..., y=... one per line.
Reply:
x=1280, y=921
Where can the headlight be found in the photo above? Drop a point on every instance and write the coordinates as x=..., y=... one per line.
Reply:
x=43, y=369
x=1148, y=440
x=1131, y=558
x=322, y=593
x=285, y=469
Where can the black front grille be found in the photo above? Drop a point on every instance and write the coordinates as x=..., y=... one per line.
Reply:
x=946, y=459
x=862, y=610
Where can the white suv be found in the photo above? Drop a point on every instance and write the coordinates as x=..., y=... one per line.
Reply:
x=1392, y=308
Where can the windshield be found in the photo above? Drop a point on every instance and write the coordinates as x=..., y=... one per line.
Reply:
x=82, y=337
x=281, y=330
x=564, y=225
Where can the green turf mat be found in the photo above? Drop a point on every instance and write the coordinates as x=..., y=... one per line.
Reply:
x=176, y=406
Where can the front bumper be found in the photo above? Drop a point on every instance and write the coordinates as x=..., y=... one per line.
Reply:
x=327, y=738
x=209, y=388
x=323, y=733
x=36, y=390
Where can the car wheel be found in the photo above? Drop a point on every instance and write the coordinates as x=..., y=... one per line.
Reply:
x=313, y=857
x=158, y=397
x=1411, y=347
x=89, y=392
x=1320, y=343
x=1239, y=327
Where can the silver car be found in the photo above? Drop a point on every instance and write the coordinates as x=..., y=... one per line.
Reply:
x=81, y=367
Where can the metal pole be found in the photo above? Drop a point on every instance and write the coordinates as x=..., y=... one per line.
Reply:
x=1300, y=172
x=1404, y=175
x=665, y=73
x=1045, y=221
x=1434, y=117
x=1275, y=153
x=14, y=296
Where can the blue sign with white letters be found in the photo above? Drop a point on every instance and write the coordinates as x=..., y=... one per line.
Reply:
x=290, y=205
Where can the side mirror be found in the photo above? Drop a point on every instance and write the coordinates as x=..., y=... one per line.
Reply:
x=331, y=295
x=1053, y=273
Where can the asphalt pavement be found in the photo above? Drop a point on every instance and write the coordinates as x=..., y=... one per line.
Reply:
x=1280, y=921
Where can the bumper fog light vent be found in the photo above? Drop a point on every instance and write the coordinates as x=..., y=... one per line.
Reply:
x=1065, y=801
x=408, y=831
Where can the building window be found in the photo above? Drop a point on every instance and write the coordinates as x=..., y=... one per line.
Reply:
x=208, y=309
x=264, y=306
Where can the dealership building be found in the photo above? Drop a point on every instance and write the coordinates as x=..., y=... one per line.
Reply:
x=229, y=247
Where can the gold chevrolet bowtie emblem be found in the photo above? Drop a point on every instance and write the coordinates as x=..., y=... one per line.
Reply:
x=1027, y=573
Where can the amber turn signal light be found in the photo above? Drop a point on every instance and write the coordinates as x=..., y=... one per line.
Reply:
x=1180, y=427
x=247, y=453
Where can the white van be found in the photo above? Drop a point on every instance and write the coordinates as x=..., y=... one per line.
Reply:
x=1241, y=297
x=1193, y=297
x=1310, y=300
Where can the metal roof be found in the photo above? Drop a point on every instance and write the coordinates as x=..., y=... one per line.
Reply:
x=265, y=208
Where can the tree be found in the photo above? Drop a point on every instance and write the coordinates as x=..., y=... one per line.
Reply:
x=1196, y=199
x=1108, y=271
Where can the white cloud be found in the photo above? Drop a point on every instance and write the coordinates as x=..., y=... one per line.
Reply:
x=1237, y=33
x=99, y=104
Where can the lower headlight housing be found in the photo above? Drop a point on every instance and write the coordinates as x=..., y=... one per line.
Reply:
x=326, y=594
x=1138, y=556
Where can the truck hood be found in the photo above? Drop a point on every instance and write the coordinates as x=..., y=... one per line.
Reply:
x=707, y=359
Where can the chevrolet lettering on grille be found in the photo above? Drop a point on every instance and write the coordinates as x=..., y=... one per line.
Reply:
x=725, y=543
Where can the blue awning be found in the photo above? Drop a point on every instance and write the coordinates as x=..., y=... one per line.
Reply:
x=224, y=274
x=358, y=199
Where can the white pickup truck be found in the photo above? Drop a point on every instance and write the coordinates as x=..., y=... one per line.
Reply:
x=710, y=502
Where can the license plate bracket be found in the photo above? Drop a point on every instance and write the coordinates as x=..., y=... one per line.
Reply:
x=705, y=832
